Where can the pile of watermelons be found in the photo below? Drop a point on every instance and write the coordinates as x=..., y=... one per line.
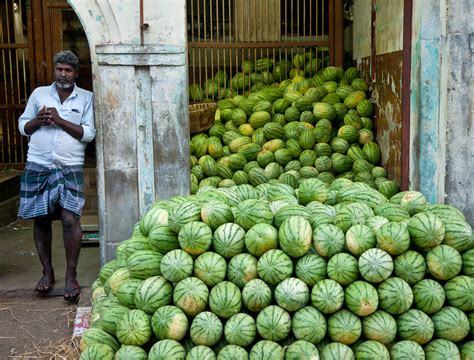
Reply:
x=291, y=246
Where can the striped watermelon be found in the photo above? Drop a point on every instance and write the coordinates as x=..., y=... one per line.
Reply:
x=375, y=265
x=372, y=350
x=261, y=238
x=312, y=190
x=375, y=222
x=343, y=268
x=232, y=352
x=216, y=213
x=154, y=217
x=107, y=269
x=393, y=237
x=143, y=264
x=337, y=351
x=98, y=336
x=183, y=213
x=301, y=349
x=176, y=265
x=274, y=266
x=241, y=269
x=195, y=237
x=311, y=268
x=361, y=298
x=410, y=266
x=169, y=322
x=467, y=350
x=328, y=240
x=98, y=351
x=290, y=210
x=327, y=296
x=162, y=238
x=225, y=299
x=266, y=350
x=153, y=293
x=407, y=349
x=256, y=295
x=444, y=262
x=458, y=234
x=295, y=235
x=109, y=318
x=428, y=296
x=292, y=294
x=206, y=329
x=126, y=292
x=167, y=349
x=201, y=352
x=273, y=323
x=252, y=211
x=210, y=267
x=119, y=277
x=344, y=327
x=395, y=295
x=379, y=326
x=240, y=330
x=426, y=230
x=360, y=238
x=229, y=240
x=134, y=328
x=191, y=295
x=441, y=349
x=127, y=352
x=468, y=263
x=309, y=324
x=413, y=201
x=450, y=323
x=351, y=214
x=416, y=326
x=460, y=292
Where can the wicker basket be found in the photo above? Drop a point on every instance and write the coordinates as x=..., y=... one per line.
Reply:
x=201, y=116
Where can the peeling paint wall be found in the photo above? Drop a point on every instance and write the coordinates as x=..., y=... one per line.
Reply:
x=442, y=103
x=383, y=72
x=141, y=108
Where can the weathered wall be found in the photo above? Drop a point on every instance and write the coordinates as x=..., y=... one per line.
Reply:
x=141, y=108
x=442, y=103
x=379, y=57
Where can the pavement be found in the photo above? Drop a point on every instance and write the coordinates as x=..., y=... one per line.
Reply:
x=33, y=326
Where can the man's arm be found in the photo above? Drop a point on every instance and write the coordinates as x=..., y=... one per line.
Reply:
x=76, y=131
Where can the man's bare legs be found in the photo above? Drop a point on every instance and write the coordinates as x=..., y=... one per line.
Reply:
x=42, y=234
x=72, y=238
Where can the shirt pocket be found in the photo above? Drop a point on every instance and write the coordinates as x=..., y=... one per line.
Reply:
x=75, y=116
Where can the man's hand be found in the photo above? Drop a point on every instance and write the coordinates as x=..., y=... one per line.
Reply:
x=52, y=115
x=44, y=117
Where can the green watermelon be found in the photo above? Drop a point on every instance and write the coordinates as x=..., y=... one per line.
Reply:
x=407, y=349
x=360, y=238
x=443, y=262
x=231, y=352
x=206, y=329
x=195, y=237
x=311, y=268
x=96, y=351
x=127, y=352
x=460, y=292
x=266, y=350
x=375, y=265
x=274, y=266
x=273, y=323
x=309, y=324
x=428, y=296
x=337, y=351
x=210, y=267
x=169, y=322
x=426, y=230
x=328, y=240
x=134, y=328
x=301, y=349
x=393, y=237
x=292, y=294
x=98, y=336
x=395, y=295
x=344, y=327
x=450, y=323
x=410, y=266
x=153, y=293
x=372, y=350
x=327, y=296
x=225, y=299
x=379, y=326
x=295, y=235
x=229, y=240
x=240, y=329
x=167, y=349
x=241, y=269
x=256, y=295
x=162, y=238
x=191, y=295
x=201, y=352
x=441, y=349
x=416, y=326
x=176, y=265
x=343, y=268
x=361, y=298
x=261, y=238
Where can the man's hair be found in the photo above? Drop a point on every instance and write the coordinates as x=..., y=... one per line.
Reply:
x=66, y=57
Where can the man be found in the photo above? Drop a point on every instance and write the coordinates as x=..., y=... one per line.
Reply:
x=59, y=121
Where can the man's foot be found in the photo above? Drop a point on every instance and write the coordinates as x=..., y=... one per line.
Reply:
x=45, y=284
x=72, y=292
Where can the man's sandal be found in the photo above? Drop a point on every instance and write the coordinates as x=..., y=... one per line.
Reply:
x=72, y=299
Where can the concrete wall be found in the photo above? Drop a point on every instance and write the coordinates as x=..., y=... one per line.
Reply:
x=442, y=136
x=379, y=58
x=141, y=108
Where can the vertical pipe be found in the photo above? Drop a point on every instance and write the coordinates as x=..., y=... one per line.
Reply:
x=406, y=85
x=142, y=27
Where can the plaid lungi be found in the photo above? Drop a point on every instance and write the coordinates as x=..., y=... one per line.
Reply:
x=42, y=189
